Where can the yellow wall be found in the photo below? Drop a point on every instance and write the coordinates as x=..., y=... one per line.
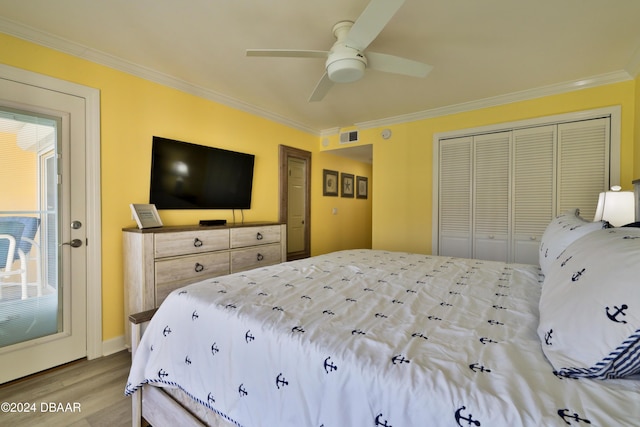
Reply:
x=18, y=173
x=350, y=227
x=133, y=110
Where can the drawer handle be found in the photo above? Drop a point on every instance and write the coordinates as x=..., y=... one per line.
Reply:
x=259, y=236
x=199, y=267
x=260, y=257
x=197, y=242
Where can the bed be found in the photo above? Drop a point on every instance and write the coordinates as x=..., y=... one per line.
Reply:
x=381, y=338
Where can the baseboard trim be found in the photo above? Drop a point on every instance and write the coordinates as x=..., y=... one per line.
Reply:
x=113, y=345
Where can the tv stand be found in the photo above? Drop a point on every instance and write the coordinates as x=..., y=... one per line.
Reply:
x=209, y=222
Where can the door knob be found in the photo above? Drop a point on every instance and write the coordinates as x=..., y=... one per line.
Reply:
x=75, y=243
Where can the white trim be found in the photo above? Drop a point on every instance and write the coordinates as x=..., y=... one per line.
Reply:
x=93, y=196
x=45, y=39
x=614, y=112
x=595, y=81
x=94, y=224
x=63, y=45
x=114, y=345
x=537, y=121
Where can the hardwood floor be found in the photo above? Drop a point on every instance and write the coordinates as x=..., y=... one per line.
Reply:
x=79, y=394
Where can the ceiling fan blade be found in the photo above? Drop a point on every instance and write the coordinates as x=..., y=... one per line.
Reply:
x=396, y=65
x=322, y=88
x=288, y=53
x=372, y=20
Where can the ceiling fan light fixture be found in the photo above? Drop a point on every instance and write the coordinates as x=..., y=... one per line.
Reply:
x=346, y=70
x=346, y=61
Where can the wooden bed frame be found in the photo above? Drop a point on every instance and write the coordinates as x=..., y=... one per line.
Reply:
x=155, y=406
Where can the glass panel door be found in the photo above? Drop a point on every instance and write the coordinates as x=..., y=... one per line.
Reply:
x=43, y=311
x=29, y=282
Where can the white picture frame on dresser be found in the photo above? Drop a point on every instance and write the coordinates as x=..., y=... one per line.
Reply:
x=146, y=216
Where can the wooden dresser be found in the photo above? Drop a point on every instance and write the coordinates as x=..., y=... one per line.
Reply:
x=159, y=260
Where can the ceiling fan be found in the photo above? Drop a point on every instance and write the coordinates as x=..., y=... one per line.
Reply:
x=346, y=61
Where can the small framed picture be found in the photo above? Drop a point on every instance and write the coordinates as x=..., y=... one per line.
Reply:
x=146, y=216
x=346, y=182
x=330, y=182
x=362, y=190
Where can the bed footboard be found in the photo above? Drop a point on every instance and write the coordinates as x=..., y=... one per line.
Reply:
x=159, y=409
x=152, y=404
x=138, y=320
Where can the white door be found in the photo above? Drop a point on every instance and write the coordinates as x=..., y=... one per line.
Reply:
x=534, y=189
x=47, y=326
x=455, y=196
x=296, y=203
x=491, y=190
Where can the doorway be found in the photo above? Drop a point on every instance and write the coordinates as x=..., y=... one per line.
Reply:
x=295, y=200
x=47, y=313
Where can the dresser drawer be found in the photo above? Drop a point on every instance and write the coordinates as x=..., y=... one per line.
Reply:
x=259, y=256
x=173, y=273
x=251, y=236
x=190, y=242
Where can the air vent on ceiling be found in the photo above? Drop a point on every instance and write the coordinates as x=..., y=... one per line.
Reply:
x=349, y=137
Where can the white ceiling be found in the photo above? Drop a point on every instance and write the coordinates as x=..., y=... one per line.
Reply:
x=480, y=49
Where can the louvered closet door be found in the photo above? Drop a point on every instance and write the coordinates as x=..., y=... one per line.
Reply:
x=492, y=188
x=583, y=169
x=533, y=189
x=455, y=197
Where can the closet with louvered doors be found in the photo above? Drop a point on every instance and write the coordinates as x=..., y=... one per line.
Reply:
x=498, y=191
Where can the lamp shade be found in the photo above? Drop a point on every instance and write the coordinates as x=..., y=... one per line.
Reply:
x=617, y=207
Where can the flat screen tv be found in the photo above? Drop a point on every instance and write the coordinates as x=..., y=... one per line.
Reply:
x=190, y=176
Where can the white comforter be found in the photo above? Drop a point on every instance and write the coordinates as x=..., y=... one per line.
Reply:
x=372, y=338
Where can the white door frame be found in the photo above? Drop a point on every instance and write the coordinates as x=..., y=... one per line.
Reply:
x=93, y=194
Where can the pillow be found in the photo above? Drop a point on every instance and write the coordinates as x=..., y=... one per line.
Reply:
x=590, y=306
x=559, y=234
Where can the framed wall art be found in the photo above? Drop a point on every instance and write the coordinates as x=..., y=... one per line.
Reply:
x=329, y=182
x=362, y=187
x=346, y=183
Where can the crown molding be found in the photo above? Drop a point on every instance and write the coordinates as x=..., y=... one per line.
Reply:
x=65, y=46
x=330, y=131
x=555, y=89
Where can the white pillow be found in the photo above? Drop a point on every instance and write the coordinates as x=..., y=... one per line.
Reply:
x=590, y=306
x=561, y=232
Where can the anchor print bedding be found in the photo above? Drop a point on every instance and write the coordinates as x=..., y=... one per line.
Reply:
x=372, y=338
